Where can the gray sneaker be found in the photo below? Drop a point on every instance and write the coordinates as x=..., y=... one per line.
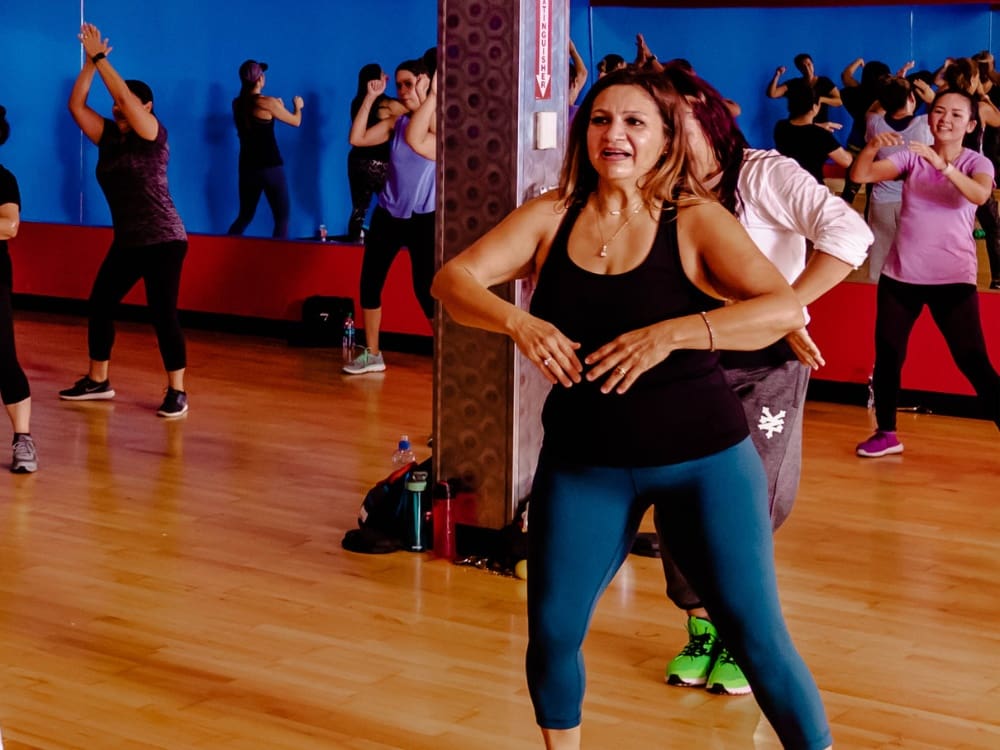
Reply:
x=365, y=362
x=25, y=459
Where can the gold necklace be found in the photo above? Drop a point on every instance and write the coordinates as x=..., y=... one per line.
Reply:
x=605, y=242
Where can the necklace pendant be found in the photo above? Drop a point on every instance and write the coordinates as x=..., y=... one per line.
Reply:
x=604, y=251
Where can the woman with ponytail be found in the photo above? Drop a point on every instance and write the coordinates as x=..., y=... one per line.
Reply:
x=261, y=167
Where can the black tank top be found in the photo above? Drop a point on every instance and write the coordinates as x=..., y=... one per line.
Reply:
x=258, y=146
x=380, y=152
x=679, y=410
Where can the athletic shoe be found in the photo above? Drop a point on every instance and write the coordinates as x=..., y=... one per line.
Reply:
x=691, y=666
x=365, y=362
x=882, y=443
x=86, y=389
x=25, y=459
x=175, y=404
x=726, y=677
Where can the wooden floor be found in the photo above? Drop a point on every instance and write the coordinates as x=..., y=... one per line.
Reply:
x=181, y=584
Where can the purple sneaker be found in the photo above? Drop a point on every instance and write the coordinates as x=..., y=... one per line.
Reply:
x=882, y=443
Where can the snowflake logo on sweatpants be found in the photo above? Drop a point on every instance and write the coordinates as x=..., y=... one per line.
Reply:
x=771, y=423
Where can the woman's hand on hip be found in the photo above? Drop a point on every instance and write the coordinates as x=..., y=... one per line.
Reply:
x=805, y=348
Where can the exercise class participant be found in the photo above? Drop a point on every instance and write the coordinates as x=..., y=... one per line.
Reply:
x=149, y=238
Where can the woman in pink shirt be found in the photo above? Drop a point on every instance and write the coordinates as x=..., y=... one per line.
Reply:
x=932, y=260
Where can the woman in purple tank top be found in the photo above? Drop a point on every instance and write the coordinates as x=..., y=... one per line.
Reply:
x=632, y=257
x=404, y=216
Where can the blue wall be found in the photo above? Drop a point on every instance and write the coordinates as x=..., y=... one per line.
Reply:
x=189, y=52
x=738, y=49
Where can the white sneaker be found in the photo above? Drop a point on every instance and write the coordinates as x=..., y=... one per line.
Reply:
x=365, y=362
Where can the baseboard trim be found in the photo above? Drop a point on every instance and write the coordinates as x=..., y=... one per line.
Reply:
x=289, y=330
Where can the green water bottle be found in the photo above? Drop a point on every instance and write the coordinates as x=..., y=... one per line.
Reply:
x=416, y=483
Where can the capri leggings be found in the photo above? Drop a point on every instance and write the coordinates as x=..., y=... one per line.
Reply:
x=583, y=522
x=955, y=309
x=387, y=236
x=159, y=266
x=13, y=382
x=272, y=183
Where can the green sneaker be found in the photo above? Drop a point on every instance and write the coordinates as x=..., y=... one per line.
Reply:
x=691, y=666
x=726, y=677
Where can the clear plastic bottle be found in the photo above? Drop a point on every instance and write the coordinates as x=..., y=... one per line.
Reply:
x=404, y=453
x=321, y=233
x=348, y=338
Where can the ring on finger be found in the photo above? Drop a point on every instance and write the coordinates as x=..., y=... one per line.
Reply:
x=623, y=371
x=546, y=362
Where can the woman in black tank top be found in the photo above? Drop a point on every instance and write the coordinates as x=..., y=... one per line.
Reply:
x=261, y=167
x=367, y=166
x=633, y=258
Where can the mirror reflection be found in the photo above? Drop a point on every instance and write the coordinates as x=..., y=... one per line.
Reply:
x=775, y=74
x=193, y=67
x=752, y=55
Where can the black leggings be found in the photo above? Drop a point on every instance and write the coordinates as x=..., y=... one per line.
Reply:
x=988, y=215
x=270, y=181
x=955, y=310
x=384, y=240
x=13, y=382
x=366, y=178
x=159, y=266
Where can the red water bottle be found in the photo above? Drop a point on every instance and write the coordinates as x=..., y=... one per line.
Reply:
x=444, y=522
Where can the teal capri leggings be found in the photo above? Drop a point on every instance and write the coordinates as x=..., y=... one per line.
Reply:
x=582, y=523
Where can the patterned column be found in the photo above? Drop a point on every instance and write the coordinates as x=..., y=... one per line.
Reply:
x=494, y=56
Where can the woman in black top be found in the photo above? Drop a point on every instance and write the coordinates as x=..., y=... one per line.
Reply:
x=13, y=382
x=261, y=167
x=149, y=237
x=367, y=166
x=632, y=257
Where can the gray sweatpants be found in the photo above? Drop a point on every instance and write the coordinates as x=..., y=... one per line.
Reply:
x=773, y=399
x=883, y=218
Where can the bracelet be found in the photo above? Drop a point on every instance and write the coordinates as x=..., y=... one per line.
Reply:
x=711, y=331
x=98, y=57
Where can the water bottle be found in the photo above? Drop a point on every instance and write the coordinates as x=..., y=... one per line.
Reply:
x=347, y=341
x=322, y=232
x=444, y=522
x=415, y=486
x=404, y=454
